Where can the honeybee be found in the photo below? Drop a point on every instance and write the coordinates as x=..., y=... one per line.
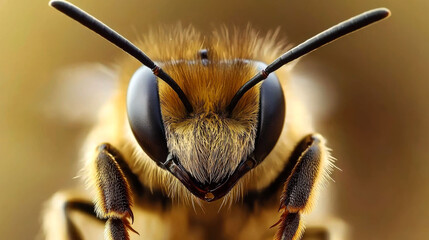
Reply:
x=204, y=123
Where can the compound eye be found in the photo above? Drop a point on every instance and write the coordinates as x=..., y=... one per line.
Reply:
x=144, y=114
x=271, y=115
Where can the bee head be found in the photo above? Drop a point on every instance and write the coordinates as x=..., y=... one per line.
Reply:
x=210, y=148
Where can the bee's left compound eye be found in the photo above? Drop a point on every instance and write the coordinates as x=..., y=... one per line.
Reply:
x=144, y=114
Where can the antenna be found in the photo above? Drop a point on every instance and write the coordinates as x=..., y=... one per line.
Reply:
x=323, y=38
x=109, y=34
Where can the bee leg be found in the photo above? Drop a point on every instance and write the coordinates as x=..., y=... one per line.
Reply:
x=113, y=193
x=313, y=165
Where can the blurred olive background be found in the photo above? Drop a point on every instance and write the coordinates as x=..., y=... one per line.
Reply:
x=378, y=127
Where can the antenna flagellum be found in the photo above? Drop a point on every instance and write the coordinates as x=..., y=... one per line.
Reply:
x=321, y=39
x=112, y=36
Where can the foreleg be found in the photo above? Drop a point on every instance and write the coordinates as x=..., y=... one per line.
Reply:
x=312, y=167
x=113, y=200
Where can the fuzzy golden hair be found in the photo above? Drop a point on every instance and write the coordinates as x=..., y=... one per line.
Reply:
x=209, y=143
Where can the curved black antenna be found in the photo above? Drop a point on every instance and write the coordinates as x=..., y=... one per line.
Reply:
x=103, y=30
x=325, y=37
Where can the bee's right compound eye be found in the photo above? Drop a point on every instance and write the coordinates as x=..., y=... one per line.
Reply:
x=144, y=114
x=271, y=115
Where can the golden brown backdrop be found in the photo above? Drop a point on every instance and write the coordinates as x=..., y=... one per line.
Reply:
x=378, y=128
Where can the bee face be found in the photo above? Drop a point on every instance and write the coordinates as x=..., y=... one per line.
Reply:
x=211, y=148
x=210, y=143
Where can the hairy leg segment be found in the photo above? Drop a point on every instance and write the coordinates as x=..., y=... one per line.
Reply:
x=113, y=200
x=312, y=167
